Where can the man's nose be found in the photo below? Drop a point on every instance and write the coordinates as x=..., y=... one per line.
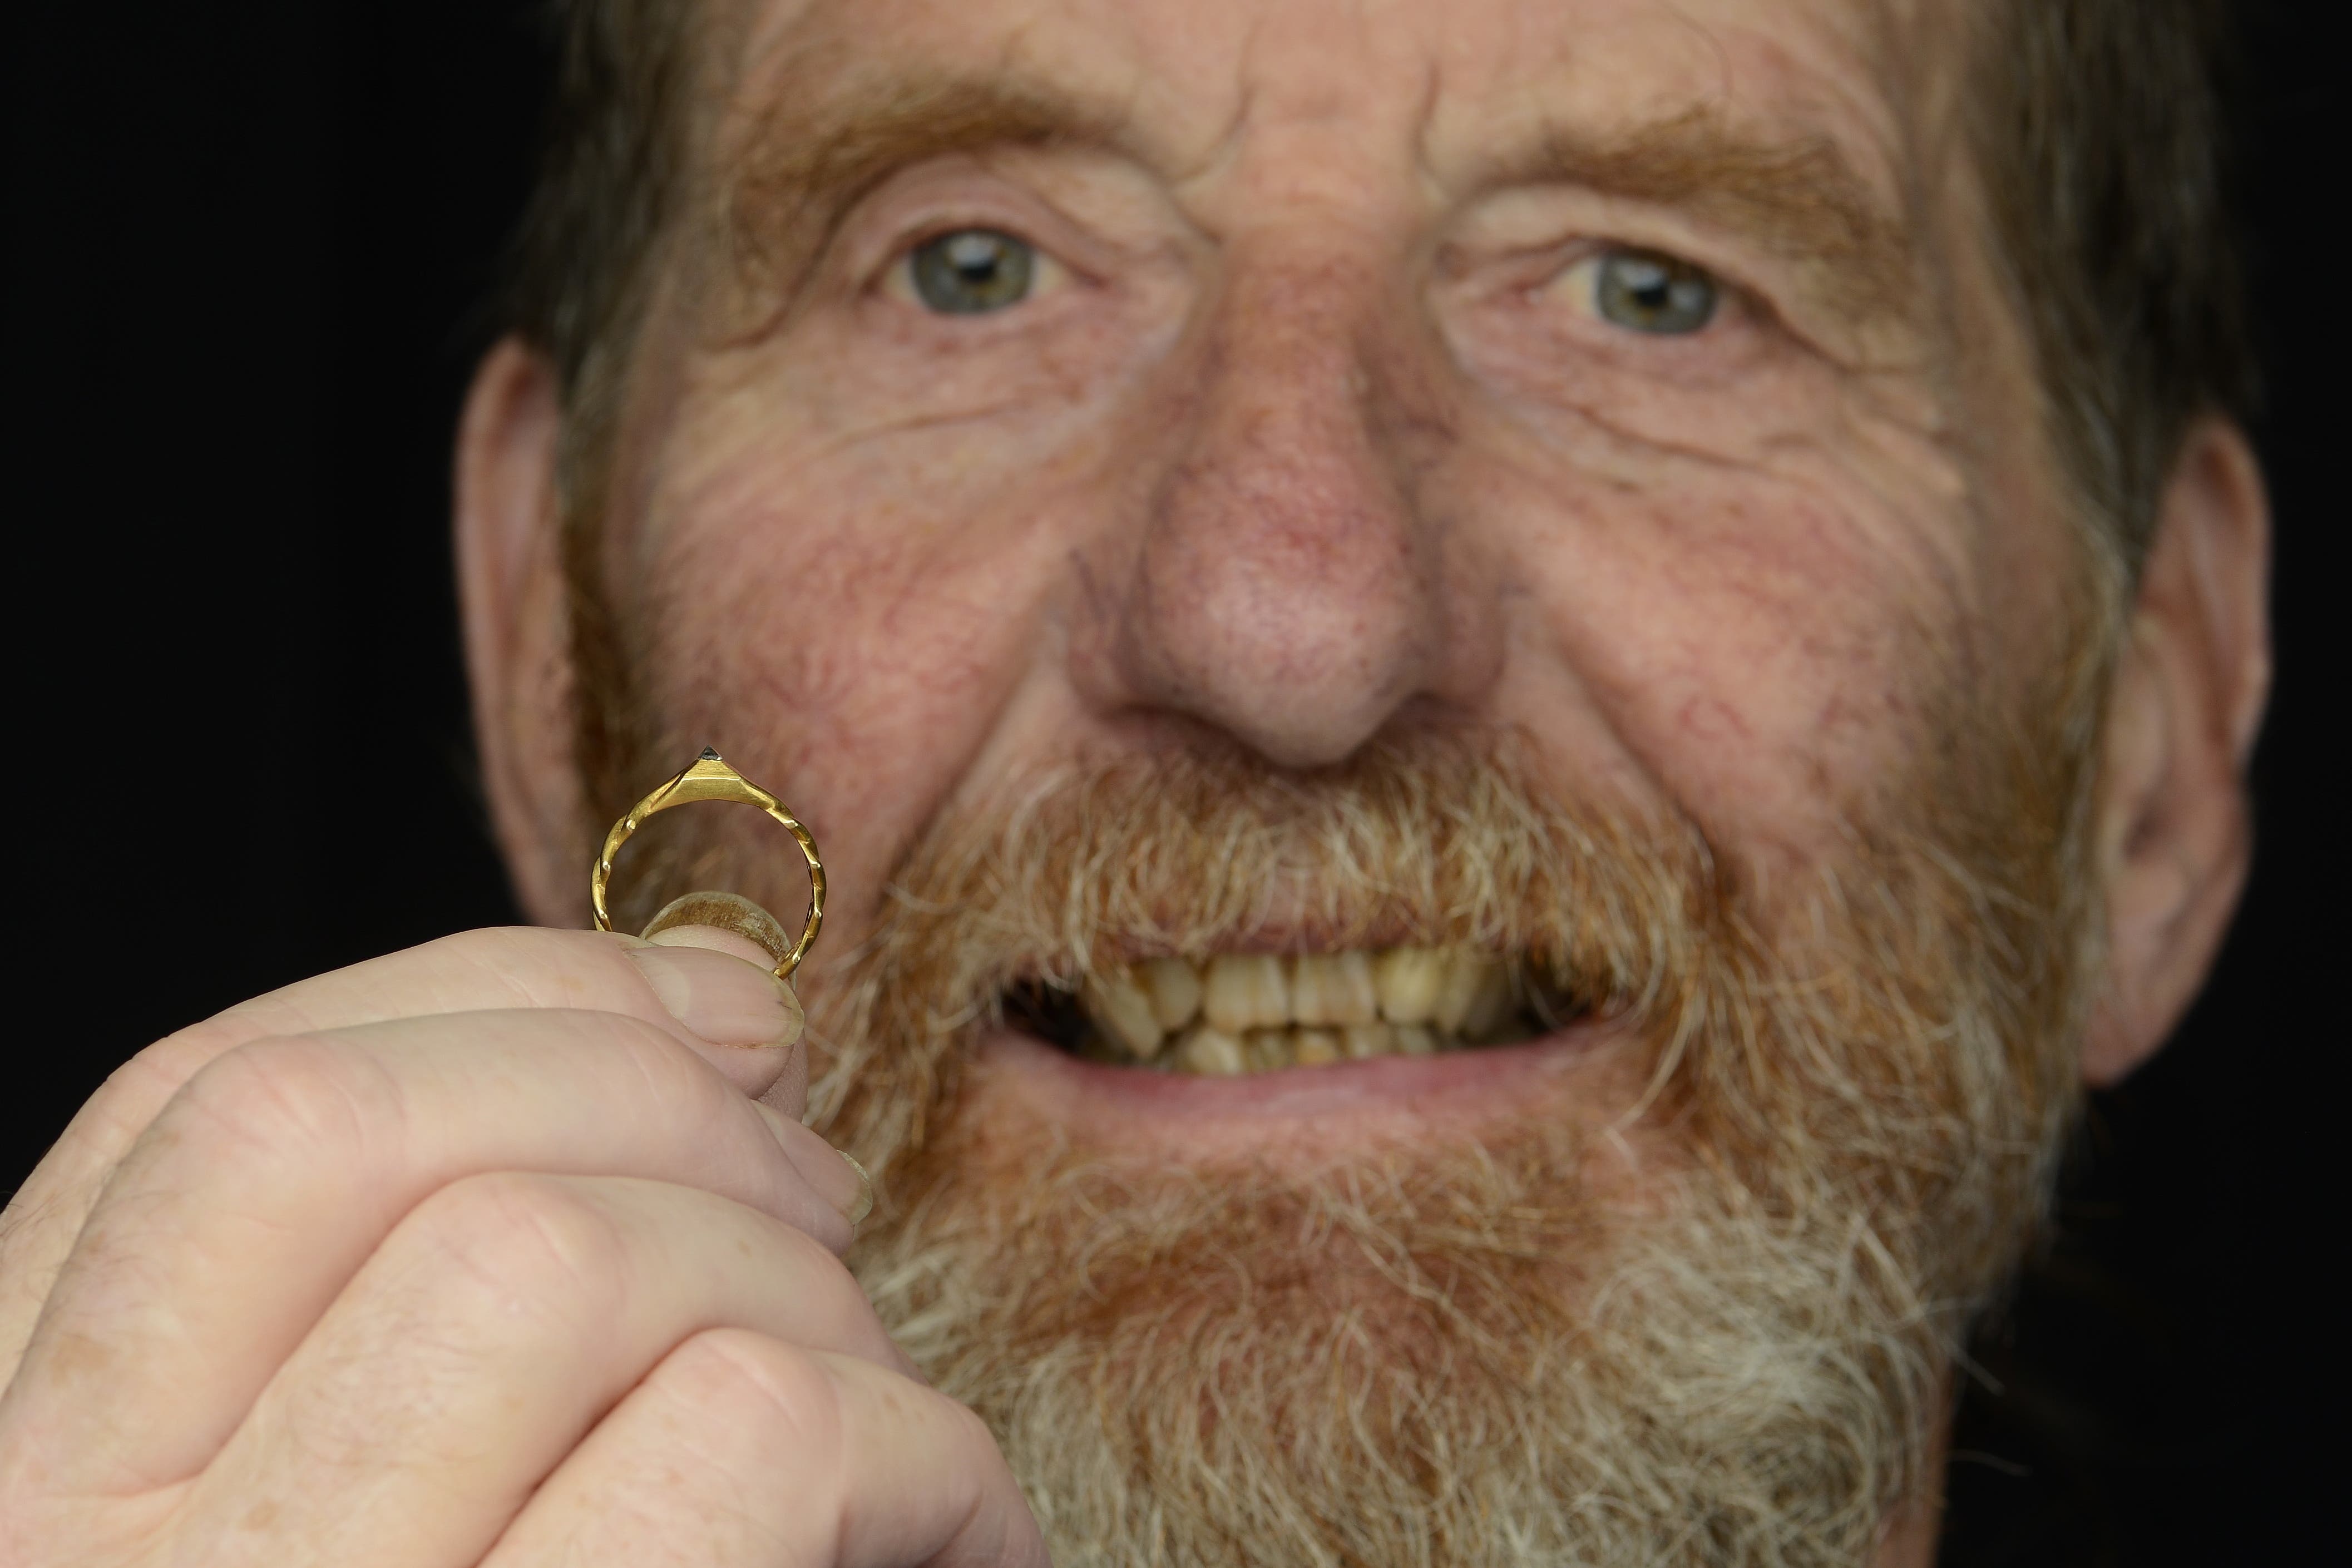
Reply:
x=1285, y=589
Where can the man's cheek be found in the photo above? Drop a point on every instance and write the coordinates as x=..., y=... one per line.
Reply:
x=865, y=548
x=1760, y=652
x=856, y=656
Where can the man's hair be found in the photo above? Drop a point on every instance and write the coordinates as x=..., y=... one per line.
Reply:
x=2097, y=127
x=2100, y=132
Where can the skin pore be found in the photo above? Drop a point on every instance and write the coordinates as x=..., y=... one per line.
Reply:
x=1308, y=435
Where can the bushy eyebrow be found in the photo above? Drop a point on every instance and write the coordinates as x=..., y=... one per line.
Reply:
x=810, y=157
x=808, y=160
x=1802, y=200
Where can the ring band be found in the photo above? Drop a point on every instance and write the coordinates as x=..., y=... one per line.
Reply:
x=709, y=778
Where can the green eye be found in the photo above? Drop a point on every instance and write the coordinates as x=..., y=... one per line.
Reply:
x=970, y=272
x=1653, y=293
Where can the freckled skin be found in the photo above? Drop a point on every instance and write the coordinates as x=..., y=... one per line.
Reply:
x=1304, y=439
x=1258, y=464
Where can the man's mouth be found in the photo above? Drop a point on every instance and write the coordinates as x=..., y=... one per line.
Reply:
x=1240, y=1013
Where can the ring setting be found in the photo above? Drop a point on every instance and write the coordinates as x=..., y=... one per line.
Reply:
x=709, y=777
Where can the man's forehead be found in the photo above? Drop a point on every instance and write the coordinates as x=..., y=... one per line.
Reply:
x=1467, y=89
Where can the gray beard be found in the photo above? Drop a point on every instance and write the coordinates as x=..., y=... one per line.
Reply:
x=1436, y=1354
x=1397, y=1371
x=1469, y=1354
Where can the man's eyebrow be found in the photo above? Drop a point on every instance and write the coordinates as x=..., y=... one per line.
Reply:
x=1803, y=200
x=807, y=161
x=820, y=148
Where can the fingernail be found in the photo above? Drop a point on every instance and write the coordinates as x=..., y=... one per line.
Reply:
x=723, y=1000
x=835, y=1175
x=863, y=1205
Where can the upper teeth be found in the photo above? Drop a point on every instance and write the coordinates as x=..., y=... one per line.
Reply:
x=1258, y=1012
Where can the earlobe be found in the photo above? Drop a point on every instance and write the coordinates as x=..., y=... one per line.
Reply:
x=2174, y=838
x=511, y=598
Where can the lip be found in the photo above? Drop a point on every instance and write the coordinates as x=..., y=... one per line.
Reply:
x=1337, y=1104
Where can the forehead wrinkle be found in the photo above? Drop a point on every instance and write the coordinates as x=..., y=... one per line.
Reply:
x=1799, y=198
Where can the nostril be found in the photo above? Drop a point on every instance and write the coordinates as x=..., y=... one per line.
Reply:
x=1300, y=670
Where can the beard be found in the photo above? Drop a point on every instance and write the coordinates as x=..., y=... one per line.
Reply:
x=1854, y=1078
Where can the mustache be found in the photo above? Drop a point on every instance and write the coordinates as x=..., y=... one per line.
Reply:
x=1429, y=840
x=1412, y=842
x=1955, y=911
x=1423, y=841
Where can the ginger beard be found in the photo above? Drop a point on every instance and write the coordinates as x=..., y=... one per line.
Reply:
x=1467, y=1349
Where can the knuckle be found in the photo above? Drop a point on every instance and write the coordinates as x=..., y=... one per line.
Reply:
x=973, y=1440
x=112, y=1120
x=976, y=1435
x=294, y=1097
x=540, y=967
x=666, y=1071
x=529, y=1244
x=146, y=1082
x=779, y=1398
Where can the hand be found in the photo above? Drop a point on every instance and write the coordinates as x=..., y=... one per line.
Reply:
x=479, y=1253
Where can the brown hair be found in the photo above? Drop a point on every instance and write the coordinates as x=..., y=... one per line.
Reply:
x=612, y=154
x=2100, y=128
x=2098, y=125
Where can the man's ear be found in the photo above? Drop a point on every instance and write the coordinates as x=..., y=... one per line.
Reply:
x=2174, y=836
x=517, y=649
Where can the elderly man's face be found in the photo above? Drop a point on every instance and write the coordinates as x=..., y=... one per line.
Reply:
x=1076, y=378
x=1213, y=480
x=1058, y=383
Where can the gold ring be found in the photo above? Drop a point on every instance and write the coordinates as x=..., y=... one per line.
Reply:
x=709, y=779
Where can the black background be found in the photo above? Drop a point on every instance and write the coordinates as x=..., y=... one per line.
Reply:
x=251, y=250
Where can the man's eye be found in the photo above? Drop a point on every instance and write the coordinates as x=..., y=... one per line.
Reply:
x=1648, y=292
x=969, y=272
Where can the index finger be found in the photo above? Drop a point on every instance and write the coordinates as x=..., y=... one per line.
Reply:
x=491, y=971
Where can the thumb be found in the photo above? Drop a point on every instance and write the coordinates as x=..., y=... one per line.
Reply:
x=747, y=1023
